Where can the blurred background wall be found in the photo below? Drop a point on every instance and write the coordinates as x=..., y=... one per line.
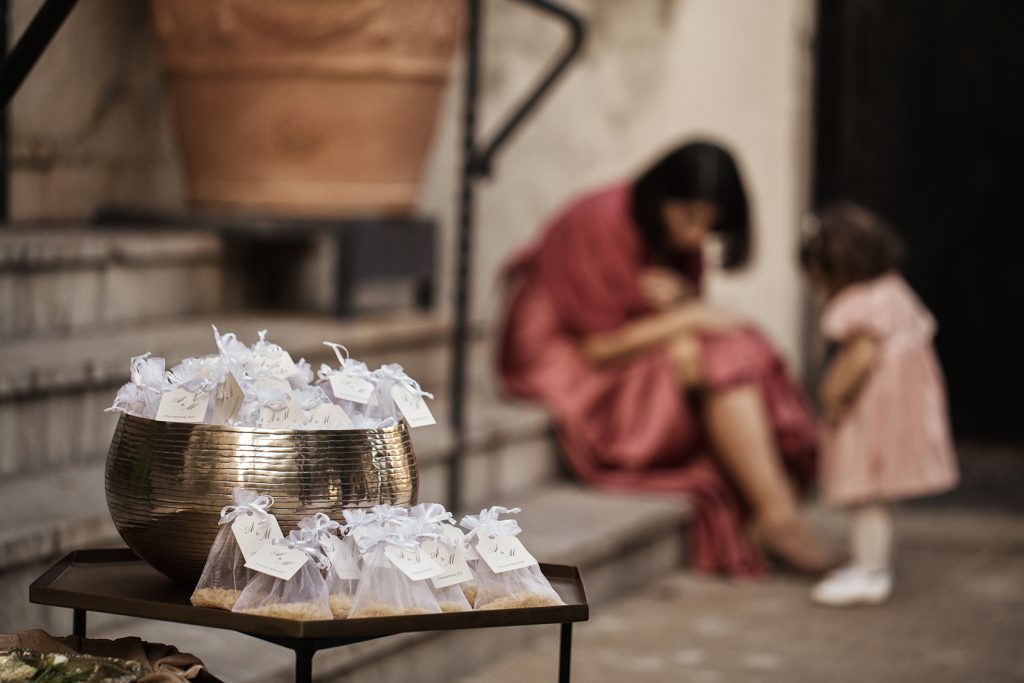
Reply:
x=91, y=125
x=655, y=72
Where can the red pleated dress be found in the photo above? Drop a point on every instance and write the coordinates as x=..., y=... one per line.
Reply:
x=628, y=426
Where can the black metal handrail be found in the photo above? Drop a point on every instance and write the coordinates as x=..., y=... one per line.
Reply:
x=477, y=163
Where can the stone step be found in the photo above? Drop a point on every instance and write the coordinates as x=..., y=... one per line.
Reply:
x=65, y=279
x=53, y=390
x=48, y=514
x=620, y=542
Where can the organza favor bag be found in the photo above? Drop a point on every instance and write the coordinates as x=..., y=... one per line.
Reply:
x=342, y=571
x=225, y=574
x=432, y=518
x=385, y=590
x=511, y=589
x=303, y=597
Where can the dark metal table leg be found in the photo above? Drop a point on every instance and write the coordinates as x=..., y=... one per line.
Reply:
x=565, y=654
x=78, y=622
x=304, y=664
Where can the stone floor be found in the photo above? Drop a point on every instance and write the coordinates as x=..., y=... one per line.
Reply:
x=957, y=613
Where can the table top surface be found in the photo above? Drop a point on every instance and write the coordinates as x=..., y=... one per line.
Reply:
x=116, y=581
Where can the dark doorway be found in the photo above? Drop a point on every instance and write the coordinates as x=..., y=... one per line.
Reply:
x=920, y=111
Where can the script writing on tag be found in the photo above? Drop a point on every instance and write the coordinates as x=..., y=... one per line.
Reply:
x=343, y=562
x=453, y=563
x=228, y=400
x=252, y=532
x=504, y=553
x=280, y=365
x=350, y=388
x=413, y=407
x=182, y=405
x=278, y=561
x=290, y=414
x=415, y=564
x=328, y=416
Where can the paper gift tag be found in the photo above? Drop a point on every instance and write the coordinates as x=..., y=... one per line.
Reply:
x=182, y=405
x=280, y=365
x=284, y=366
x=415, y=564
x=453, y=563
x=252, y=532
x=281, y=385
x=228, y=400
x=355, y=389
x=280, y=418
x=328, y=416
x=343, y=562
x=504, y=553
x=278, y=561
x=413, y=407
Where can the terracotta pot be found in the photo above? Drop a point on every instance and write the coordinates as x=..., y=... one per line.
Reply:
x=307, y=106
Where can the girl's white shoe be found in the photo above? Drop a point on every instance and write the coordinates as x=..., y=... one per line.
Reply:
x=853, y=586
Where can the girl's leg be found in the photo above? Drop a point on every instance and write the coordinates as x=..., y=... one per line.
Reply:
x=868, y=579
x=871, y=533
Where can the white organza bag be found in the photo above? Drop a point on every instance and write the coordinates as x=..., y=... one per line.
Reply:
x=303, y=597
x=518, y=587
x=342, y=571
x=141, y=396
x=385, y=590
x=225, y=574
x=354, y=384
x=433, y=517
x=381, y=409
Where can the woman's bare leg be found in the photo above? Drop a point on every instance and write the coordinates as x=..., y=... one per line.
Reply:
x=740, y=431
x=738, y=425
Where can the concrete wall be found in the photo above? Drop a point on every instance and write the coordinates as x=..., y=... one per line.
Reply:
x=655, y=72
x=91, y=125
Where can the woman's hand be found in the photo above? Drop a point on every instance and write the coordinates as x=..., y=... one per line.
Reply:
x=699, y=317
x=664, y=287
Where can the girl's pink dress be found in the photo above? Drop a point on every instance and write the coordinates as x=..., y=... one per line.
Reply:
x=629, y=426
x=895, y=441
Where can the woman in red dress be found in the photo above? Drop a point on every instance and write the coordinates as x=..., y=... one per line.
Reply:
x=651, y=388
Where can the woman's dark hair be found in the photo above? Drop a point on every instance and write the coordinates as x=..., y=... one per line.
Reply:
x=850, y=244
x=695, y=171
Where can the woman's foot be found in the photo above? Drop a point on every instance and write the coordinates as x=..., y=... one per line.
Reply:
x=794, y=542
x=853, y=586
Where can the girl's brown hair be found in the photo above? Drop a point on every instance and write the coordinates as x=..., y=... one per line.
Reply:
x=850, y=244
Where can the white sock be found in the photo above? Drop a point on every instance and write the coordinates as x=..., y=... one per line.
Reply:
x=871, y=537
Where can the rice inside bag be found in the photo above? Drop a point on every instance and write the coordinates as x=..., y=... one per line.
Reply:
x=303, y=596
x=384, y=589
x=444, y=542
x=342, y=571
x=225, y=574
x=507, y=576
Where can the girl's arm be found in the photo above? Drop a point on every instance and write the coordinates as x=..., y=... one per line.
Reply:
x=652, y=330
x=847, y=374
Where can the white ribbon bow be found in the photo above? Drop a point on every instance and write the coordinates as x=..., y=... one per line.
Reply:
x=246, y=501
x=307, y=543
x=396, y=373
x=373, y=536
x=433, y=513
x=487, y=522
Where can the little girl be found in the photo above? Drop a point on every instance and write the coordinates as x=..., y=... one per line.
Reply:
x=886, y=434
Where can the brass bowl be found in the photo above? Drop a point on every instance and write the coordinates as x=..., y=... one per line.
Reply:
x=166, y=482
